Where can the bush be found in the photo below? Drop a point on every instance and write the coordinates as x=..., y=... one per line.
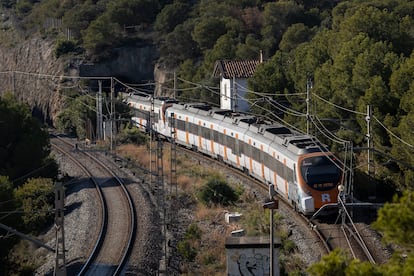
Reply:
x=217, y=191
x=186, y=250
x=64, y=46
x=131, y=134
x=23, y=7
x=193, y=232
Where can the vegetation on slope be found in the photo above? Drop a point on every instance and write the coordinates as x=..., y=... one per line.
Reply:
x=356, y=53
x=26, y=180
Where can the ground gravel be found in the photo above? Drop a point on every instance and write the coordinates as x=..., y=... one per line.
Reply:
x=147, y=254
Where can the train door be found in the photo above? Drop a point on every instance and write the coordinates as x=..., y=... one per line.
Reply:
x=293, y=193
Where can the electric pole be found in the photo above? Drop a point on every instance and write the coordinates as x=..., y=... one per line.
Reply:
x=60, y=265
x=308, y=98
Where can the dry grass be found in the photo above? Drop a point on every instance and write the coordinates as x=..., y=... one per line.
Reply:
x=185, y=183
x=211, y=258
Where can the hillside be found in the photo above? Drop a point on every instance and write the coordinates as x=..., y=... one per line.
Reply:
x=353, y=54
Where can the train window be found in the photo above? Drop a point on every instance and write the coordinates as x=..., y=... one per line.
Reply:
x=242, y=147
x=320, y=172
x=180, y=125
x=219, y=138
x=212, y=134
x=206, y=133
x=289, y=174
x=269, y=161
x=231, y=143
x=294, y=173
x=279, y=169
x=193, y=128
x=255, y=153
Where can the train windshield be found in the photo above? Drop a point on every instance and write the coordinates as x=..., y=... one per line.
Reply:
x=320, y=172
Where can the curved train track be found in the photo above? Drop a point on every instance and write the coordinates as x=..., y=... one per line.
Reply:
x=118, y=216
x=329, y=233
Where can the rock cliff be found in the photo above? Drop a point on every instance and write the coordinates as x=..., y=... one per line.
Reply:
x=31, y=72
x=34, y=75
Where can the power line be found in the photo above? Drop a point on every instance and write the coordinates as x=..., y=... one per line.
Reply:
x=390, y=132
x=338, y=106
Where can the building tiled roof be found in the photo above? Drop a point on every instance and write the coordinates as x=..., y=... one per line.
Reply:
x=235, y=68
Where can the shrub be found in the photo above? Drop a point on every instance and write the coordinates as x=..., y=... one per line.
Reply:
x=186, y=250
x=217, y=191
x=131, y=134
x=193, y=232
x=23, y=7
x=64, y=46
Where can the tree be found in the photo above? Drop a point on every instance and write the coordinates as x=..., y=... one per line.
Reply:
x=171, y=16
x=396, y=221
x=277, y=17
x=179, y=45
x=81, y=15
x=36, y=197
x=132, y=12
x=333, y=264
x=24, y=145
x=101, y=33
x=207, y=31
x=295, y=35
x=250, y=49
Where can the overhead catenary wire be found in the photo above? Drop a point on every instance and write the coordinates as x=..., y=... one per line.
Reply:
x=338, y=106
x=267, y=94
x=197, y=85
x=392, y=134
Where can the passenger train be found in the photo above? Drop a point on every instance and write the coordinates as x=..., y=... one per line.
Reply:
x=298, y=166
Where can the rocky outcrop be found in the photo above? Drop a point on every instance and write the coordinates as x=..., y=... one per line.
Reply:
x=31, y=72
x=34, y=75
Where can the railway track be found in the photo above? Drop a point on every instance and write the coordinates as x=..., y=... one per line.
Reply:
x=330, y=232
x=344, y=233
x=117, y=220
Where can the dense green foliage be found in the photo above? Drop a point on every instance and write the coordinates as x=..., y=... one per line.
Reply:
x=24, y=145
x=396, y=221
x=24, y=162
x=217, y=191
x=36, y=197
x=356, y=53
x=79, y=116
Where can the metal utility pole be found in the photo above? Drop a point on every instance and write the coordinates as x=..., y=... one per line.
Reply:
x=175, y=85
x=151, y=134
x=272, y=204
x=173, y=172
x=308, y=99
x=112, y=115
x=60, y=265
x=234, y=95
x=99, y=117
x=368, y=119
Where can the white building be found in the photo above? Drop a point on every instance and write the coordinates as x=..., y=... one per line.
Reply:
x=233, y=76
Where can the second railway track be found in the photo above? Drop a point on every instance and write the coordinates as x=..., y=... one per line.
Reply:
x=118, y=225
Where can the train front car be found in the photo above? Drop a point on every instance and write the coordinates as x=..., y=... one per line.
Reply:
x=319, y=175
